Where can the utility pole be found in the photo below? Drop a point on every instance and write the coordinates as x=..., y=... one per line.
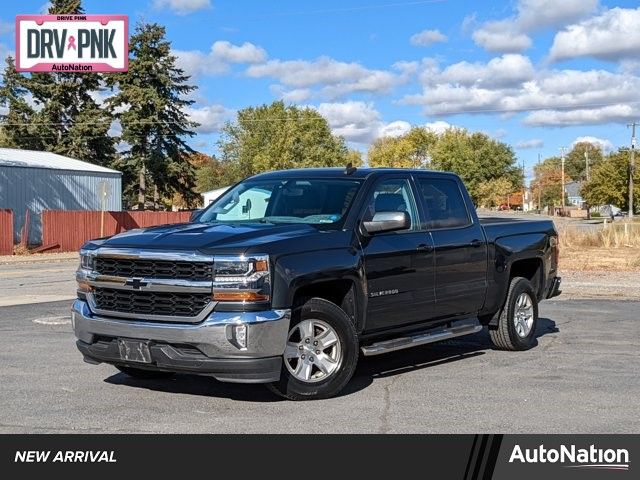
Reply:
x=562, y=152
x=632, y=166
x=539, y=187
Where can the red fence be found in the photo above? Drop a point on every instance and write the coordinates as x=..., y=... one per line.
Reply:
x=6, y=232
x=69, y=230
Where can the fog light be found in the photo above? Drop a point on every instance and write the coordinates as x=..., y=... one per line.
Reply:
x=240, y=335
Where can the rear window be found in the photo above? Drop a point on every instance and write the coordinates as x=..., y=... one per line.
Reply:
x=443, y=203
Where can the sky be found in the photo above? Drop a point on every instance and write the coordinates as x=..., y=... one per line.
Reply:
x=536, y=74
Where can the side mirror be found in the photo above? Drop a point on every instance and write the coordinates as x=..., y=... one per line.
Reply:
x=195, y=215
x=387, y=222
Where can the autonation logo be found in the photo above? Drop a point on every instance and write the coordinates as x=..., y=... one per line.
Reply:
x=574, y=457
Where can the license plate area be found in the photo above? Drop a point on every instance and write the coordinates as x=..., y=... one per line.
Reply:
x=134, y=350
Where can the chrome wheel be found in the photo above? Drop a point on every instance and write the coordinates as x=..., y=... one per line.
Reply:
x=313, y=352
x=523, y=315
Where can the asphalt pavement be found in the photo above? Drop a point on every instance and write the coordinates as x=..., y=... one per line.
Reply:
x=581, y=377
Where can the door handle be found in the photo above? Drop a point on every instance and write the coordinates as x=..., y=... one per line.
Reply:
x=475, y=243
x=423, y=247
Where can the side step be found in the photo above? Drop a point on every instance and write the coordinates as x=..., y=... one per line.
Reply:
x=457, y=329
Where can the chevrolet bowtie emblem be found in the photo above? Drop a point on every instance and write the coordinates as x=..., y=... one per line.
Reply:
x=136, y=283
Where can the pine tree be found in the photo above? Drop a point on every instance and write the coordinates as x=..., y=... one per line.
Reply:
x=70, y=121
x=151, y=105
x=16, y=129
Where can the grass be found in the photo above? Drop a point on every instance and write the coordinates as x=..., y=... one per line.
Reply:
x=617, y=235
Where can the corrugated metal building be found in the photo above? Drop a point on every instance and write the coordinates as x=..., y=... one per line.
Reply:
x=37, y=181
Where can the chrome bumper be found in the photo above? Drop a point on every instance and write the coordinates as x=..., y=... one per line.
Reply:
x=266, y=331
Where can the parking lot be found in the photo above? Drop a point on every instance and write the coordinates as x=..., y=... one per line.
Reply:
x=582, y=377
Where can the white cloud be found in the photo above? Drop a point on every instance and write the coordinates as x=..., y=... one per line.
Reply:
x=614, y=35
x=334, y=78
x=501, y=36
x=210, y=117
x=584, y=116
x=357, y=122
x=529, y=144
x=511, y=34
x=554, y=97
x=438, y=127
x=394, y=129
x=602, y=143
x=182, y=7
x=507, y=70
x=296, y=95
x=427, y=37
x=360, y=122
x=219, y=58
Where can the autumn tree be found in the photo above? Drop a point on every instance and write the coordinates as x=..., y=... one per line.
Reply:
x=491, y=193
x=547, y=182
x=411, y=150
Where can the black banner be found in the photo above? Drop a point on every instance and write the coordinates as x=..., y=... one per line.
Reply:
x=305, y=455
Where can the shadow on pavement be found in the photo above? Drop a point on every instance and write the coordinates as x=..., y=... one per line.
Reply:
x=369, y=369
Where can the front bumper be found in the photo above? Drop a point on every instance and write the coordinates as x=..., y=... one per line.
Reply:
x=204, y=348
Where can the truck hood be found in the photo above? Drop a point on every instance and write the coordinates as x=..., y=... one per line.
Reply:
x=202, y=236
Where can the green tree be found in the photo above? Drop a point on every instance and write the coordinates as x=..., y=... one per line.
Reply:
x=609, y=182
x=277, y=136
x=151, y=106
x=477, y=158
x=411, y=150
x=68, y=120
x=575, y=161
x=16, y=130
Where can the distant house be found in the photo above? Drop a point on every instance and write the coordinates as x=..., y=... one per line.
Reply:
x=36, y=181
x=573, y=193
x=211, y=195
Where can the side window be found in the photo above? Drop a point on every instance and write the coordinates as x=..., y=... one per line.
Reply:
x=443, y=203
x=393, y=195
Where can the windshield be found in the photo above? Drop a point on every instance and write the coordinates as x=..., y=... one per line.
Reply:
x=310, y=201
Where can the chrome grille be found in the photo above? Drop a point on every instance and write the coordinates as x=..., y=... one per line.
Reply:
x=150, y=303
x=143, y=268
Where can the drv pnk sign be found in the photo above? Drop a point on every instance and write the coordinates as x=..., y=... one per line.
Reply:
x=72, y=43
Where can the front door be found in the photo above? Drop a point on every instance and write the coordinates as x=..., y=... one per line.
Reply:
x=398, y=265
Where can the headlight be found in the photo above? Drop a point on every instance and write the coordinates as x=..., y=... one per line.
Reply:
x=87, y=260
x=241, y=279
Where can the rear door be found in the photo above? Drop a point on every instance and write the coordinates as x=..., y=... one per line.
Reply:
x=398, y=265
x=460, y=246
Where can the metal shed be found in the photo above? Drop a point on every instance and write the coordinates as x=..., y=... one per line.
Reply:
x=37, y=181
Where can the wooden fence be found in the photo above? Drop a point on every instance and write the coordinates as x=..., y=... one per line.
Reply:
x=67, y=231
x=6, y=232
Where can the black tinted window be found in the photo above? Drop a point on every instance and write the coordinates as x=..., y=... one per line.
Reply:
x=443, y=202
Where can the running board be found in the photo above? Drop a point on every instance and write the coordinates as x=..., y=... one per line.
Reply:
x=457, y=329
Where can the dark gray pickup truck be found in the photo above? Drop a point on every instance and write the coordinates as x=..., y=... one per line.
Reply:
x=290, y=276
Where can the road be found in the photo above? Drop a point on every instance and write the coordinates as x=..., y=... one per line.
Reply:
x=37, y=282
x=582, y=377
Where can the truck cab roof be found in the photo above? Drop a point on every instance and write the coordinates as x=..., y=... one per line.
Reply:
x=341, y=172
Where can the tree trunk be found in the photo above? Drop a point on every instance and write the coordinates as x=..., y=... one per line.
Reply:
x=156, y=197
x=142, y=187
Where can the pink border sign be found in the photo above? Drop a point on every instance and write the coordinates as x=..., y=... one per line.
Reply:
x=82, y=67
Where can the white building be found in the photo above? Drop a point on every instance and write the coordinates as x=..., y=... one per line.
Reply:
x=211, y=195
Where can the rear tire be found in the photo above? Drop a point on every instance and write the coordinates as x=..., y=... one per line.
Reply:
x=144, y=374
x=518, y=320
x=321, y=353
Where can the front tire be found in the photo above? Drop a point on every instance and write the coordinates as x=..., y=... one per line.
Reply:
x=321, y=352
x=519, y=318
